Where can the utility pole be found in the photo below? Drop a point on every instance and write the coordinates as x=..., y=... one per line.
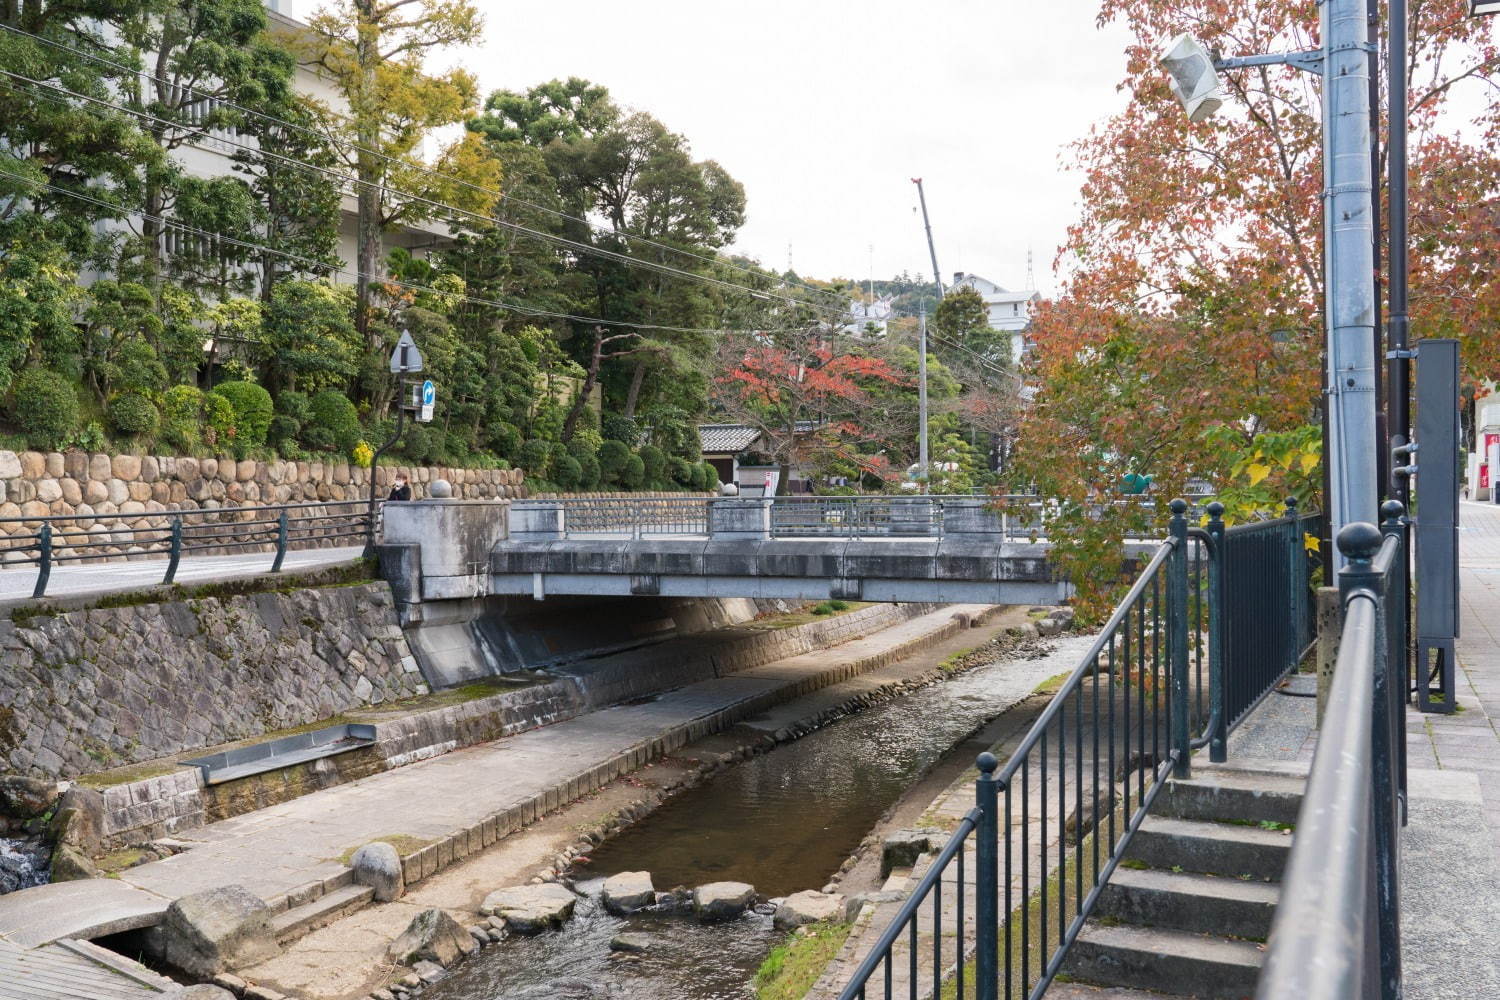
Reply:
x=922, y=470
x=937, y=275
x=1348, y=217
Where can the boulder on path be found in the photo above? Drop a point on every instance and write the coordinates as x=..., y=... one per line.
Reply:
x=531, y=909
x=807, y=907
x=379, y=866
x=432, y=936
x=215, y=931
x=627, y=892
x=78, y=820
x=722, y=900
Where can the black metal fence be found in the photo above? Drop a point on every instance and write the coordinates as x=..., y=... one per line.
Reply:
x=1337, y=933
x=1025, y=867
x=1262, y=611
x=276, y=528
x=1022, y=872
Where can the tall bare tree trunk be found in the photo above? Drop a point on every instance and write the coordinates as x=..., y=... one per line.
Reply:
x=367, y=169
x=634, y=394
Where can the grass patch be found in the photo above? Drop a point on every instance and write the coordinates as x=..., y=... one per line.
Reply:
x=809, y=613
x=405, y=844
x=125, y=775
x=792, y=967
x=118, y=861
x=1051, y=684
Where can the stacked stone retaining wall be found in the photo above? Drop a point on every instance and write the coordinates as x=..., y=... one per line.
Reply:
x=96, y=688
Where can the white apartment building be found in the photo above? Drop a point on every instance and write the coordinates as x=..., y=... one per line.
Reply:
x=1008, y=311
x=869, y=319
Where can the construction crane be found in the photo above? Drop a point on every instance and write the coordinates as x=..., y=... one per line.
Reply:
x=937, y=275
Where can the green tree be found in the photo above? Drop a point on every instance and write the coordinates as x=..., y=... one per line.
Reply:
x=964, y=335
x=373, y=51
x=307, y=338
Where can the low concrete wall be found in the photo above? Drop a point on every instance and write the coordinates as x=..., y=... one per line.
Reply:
x=91, y=689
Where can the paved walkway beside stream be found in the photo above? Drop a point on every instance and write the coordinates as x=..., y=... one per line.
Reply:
x=281, y=849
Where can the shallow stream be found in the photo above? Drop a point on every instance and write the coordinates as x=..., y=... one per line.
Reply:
x=782, y=821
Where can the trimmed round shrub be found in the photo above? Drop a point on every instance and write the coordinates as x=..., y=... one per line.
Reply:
x=252, y=412
x=44, y=406
x=654, y=460
x=708, y=477
x=684, y=474
x=504, y=438
x=133, y=414
x=535, y=458
x=568, y=473
x=634, y=474
x=182, y=419
x=617, y=428
x=589, y=476
x=420, y=444
x=333, y=418
x=613, y=457
x=218, y=418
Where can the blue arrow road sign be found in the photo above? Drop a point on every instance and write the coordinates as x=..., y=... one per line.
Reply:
x=429, y=393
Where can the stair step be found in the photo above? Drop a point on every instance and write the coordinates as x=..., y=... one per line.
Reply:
x=321, y=912
x=1084, y=991
x=1211, y=848
x=1194, y=965
x=1233, y=795
x=1187, y=902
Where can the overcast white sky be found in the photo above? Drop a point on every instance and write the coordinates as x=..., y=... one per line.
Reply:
x=825, y=110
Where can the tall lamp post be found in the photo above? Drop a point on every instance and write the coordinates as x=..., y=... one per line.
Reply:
x=406, y=361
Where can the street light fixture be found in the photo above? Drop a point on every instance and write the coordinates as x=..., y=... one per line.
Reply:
x=1190, y=71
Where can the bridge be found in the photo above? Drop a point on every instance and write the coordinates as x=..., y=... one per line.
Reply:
x=897, y=549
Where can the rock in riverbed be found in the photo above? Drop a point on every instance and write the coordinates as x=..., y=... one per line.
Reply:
x=722, y=900
x=432, y=936
x=627, y=892
x=630, y=942
x=531, y=909
x=807, y=908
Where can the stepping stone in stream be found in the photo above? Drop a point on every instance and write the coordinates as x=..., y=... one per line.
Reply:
x=531, y=909
x=627, y=892
x=722, y=900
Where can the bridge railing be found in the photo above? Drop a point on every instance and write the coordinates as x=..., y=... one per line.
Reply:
x=45, y=542
x=634, y=517
x=1337, y=929
x=1027, y=864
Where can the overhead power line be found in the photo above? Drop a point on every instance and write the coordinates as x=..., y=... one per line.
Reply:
x=579, y=246
x=513, y=307
x=325, y=136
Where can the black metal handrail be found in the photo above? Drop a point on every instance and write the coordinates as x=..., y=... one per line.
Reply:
x=1337, y=930
x=1095, y=757
x=171, y=534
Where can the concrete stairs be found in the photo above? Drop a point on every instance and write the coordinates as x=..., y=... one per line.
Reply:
x=1187, y=913
x=299, y=920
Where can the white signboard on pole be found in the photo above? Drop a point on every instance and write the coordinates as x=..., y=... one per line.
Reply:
x=429, y=398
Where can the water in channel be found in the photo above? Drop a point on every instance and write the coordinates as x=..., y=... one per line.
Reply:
x=782, y=821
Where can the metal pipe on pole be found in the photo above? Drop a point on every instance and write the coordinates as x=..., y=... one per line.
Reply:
x=922, y=469
x=1398, y=375
x=1349, y=265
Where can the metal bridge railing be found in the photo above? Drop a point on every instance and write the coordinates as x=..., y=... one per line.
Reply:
x=1337, y=930
x=635, y=517
x=47, y=541
x=1022, y=873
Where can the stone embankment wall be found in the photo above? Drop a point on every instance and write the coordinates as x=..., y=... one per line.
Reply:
x=91, y=689
x=115, y=493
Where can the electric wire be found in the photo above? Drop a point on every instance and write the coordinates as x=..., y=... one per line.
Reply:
x=317, y=265
x=347, y=144
x=581, y=247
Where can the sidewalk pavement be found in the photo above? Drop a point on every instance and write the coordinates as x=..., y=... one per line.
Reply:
x=77, y=579
x=1450, y=850
x=282, y=850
